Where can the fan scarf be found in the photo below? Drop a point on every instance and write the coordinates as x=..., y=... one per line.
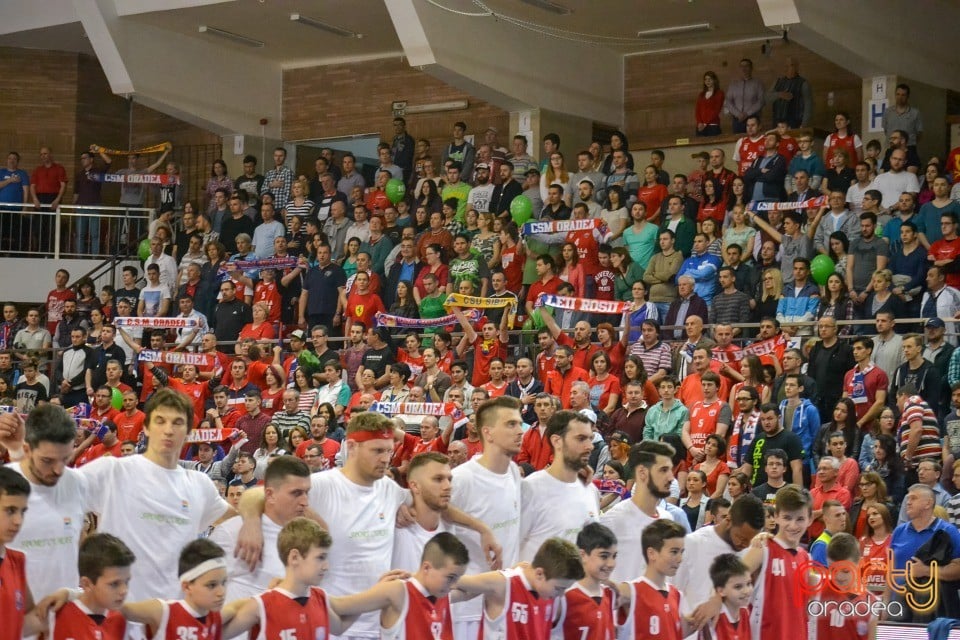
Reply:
x=561, y=226
x=161, y=179
x=157, y=323
x=388, y=320
x=582, y=304
x=155, y=148
x=266, y=263
x=810, y=203
x=213, y=435
x=177, y=358
x=437, y=409
x=774, y=345
x=476, y=302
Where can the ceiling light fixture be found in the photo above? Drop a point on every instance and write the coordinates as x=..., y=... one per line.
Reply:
x=323, y=26
x=552, y=7
x=674, y=31
x=229, y=35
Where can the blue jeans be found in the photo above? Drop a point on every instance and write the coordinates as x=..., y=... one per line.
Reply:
x=83, y=224
x=662, y=308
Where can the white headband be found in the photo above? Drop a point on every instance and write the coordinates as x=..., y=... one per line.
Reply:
x=202, y=568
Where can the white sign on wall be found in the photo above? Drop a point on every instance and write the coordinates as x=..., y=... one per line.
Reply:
x=524, y=121
x=879, y=88
x=875, y=116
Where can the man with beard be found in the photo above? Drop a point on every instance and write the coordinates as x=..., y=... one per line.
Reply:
x=773, y=436
x=480, y=195
x=571, y=436
x=732, y=533
x=652, y=463
x=430, y=479
x=57, y=500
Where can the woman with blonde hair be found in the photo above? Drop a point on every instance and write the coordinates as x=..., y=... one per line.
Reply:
x=260, y=328
x=882, y=298
x=299, y=204
x=556, y=173
x=769, y=292
x=486, y=241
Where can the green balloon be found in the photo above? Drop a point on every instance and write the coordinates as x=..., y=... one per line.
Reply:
x=537, y=319
x=116, y=399
x=143, y=250
x=528, y=324
x=820, y=268
x=521, y=209
x=308, y=359
x=395, y=190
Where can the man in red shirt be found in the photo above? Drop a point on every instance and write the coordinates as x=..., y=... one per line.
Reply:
x=109, y=446
x=268, y=291
x=866, y=384
x=489, y=344
x=56, y=299
x=328, y=446
x=583, y=349
x=362, y=304
x=827, y=489
x=47, y=186
x=536, y=448
x=189, y=384
x=559, y=381
x=749, y=147
x=130, y=420
x=691, y=389
x=546, y=282
x=101, y=409
x=945, y=251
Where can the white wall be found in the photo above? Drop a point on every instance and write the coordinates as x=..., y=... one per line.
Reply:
x=29, y=279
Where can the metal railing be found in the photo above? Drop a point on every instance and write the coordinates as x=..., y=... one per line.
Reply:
x=72, y=231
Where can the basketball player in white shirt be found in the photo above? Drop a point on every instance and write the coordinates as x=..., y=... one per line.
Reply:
x=286, y=485
x=488, y=488
x=360, y=505
x=430, y=480
x=556, y=501
x=50, y=535
x=652, y=464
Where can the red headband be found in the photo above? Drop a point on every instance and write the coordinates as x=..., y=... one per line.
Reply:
x=365, y=436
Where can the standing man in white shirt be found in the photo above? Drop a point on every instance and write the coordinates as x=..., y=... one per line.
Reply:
x=542, y=493
x=168, y=266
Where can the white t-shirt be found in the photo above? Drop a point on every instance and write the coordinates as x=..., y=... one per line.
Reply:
x=408, y=544
x=554, y=509
x=627, y=522
x=242, y=582
x=699, y=550
x=479, y=197
x=152, y=297
x=891, y=185
x=155, y=511
x=362, y=522
x=493, y=498
x=855, y=197
x=50, y=535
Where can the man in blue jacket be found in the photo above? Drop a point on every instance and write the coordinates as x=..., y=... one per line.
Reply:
x=799, y=415
x=702, y=267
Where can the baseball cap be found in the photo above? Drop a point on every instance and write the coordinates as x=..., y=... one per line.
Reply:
x=588, y=181
x=935, y=323
x=299, y=335
x=532, y=171
x=494, y=129
x=589, y=414
x=702, y=154
x=483, y=165
x=619, y=436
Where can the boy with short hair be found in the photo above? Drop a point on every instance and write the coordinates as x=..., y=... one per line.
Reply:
x=304, y=547
x=649, y=607
x=419, y=606
x=843, y=555
x=203, y=578
x=518, y=603
x=780, y=561
x=16, y=602
x=587, y=608
x=731, y=580
x=104, y=562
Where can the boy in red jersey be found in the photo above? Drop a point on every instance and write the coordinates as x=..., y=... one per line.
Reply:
x=731, y=580
x=649, y=607
x=203, y=577
x=518, y=603
x=16, y=603
x=855, y=620
x=104, y=562
x=418, y=607
x=296, y=607
x=779, y=610
x=586, y=610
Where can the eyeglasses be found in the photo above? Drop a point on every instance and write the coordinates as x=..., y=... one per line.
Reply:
x=744, y=399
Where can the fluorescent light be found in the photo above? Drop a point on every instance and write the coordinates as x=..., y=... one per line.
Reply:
x=229, y=35
x=546, y=5
x=323, y=26
x=454, y=105
x=673, y=31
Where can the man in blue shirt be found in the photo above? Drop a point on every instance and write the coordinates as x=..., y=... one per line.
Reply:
x=702, y=267
x=14, y=189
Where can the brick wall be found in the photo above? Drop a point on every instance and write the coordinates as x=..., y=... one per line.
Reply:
x=345, y=99
x=661, y=90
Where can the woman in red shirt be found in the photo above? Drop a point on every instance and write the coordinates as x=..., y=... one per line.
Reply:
x=261, y=328
x=604, y=386
x=652, y=193
x=570, y=270
x=714, y=204
x=434, y=259
x=361, y=304
x=512, y=256
x=874, y=547
x=272, y=396
x=709, y=106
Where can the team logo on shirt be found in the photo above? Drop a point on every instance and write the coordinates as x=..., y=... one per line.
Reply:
x=18, y=602
x=184, y=505
x=320, y=634
x=67, y=522
x=380, y=515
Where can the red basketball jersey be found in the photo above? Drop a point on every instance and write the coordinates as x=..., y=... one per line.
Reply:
x=282, y=617
x=778, y=611
x=748, y=151
x=525, y=616
x=653, y=613
x=422, y=619
x=849, y=622
x=703, y=421
x=584, y=616
x=13, y=594
x=74, y=622
x=179, y=621
x=724, y=629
